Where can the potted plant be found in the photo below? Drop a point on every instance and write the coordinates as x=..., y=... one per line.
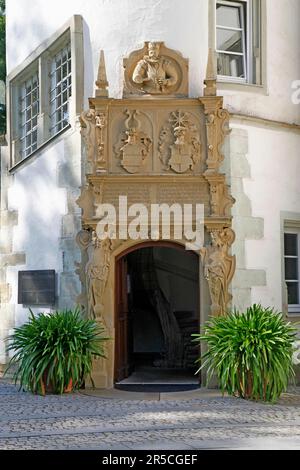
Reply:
x=250, y=353
x=54, y=352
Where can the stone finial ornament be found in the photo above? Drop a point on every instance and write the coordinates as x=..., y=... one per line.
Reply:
x=211, y=75
x=101, y=82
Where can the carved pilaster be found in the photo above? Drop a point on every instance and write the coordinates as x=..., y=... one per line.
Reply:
x=219, y=267
x=217, y=127
x=221, y=201
x=93, y=131
x=83, y=240
x=88, y=132
x=97, y=271
x=101, y=138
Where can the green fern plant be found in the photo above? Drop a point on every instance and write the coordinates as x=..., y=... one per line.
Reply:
x=250, y=353
x=50, y=350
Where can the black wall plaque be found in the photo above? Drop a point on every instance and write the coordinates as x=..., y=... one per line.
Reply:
x=36, y=287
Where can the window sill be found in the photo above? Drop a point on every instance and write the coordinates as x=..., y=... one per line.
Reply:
x=293, y=314
x=231, y=85
x=30, y=157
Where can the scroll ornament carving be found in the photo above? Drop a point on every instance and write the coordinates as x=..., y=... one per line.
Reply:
x=179, y=144
x=219, y=268
x=220, y=199
x=154, y=73
x=135, y=146
x=217, y=126
x=97, y=271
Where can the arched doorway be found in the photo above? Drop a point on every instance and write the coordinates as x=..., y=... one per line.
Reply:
x=157, y=311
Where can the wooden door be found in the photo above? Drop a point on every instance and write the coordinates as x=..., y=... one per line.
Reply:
x=122, y=367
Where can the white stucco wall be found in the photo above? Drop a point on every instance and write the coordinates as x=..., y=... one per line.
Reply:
x=116, y=26
x=40, y=205
x=39, y=195
x=272, y=189
x=264, y=167
x=120, y=26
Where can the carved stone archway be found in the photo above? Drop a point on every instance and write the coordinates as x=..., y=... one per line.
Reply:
x=155, y=145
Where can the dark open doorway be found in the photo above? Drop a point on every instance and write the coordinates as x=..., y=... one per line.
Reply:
x=157, y=312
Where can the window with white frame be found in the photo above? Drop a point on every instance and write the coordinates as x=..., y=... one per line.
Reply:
x=292, y=268
x=41, y=89
x=60, y=89
x=238, y=40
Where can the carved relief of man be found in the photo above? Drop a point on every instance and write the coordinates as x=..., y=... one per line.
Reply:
x=97, y=271
x=154, y=71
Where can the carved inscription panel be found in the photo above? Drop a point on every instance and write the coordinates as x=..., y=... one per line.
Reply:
x=145, y=191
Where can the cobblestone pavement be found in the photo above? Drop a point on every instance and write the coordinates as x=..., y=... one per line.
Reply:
x=81, y=421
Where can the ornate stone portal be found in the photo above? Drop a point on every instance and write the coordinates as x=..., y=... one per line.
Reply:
x=155, y=145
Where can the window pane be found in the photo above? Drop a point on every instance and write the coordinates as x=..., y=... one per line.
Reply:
x=29, y=108
x=58, y=75
x=291, y=244
x=34, y=109
x=34, y=95
x=229, y=40
x=34, y=137
x=293, y=293
x=65, y=96
x=228, y=16
x=291, y=269
x=58, y=115
x=231, y=65
x=28, y=101
x=61, y=83
x=28, y=141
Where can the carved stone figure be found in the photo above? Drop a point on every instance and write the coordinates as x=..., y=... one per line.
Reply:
x=97, y=270
x=155, y=73
x=83, y=240
x=219, y=269
x=179, y=145
x=100, y=122
x=136, y=145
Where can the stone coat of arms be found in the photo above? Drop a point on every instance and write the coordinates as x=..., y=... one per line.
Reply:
x=179, y=144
